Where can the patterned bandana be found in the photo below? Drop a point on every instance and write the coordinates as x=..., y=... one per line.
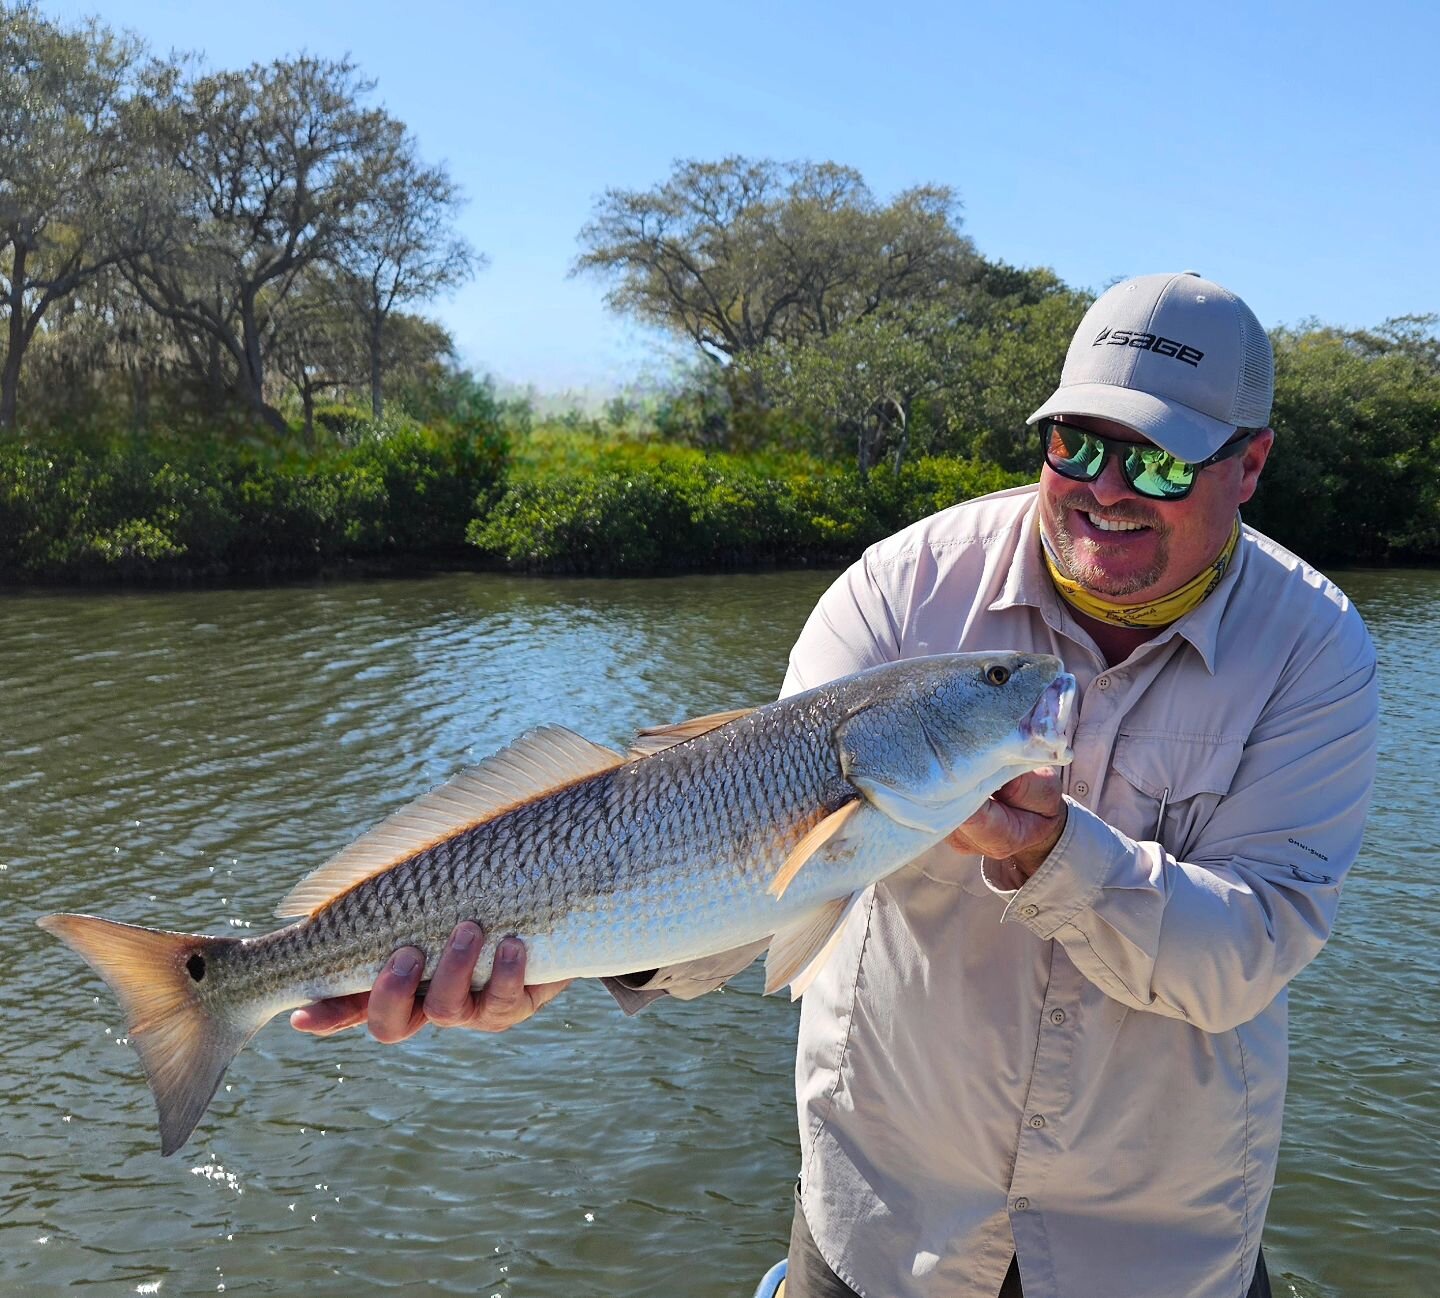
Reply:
x=1153, y=613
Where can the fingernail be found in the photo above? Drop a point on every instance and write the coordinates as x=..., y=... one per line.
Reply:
x=404, y=964
x=464, y=938
x=509, y=952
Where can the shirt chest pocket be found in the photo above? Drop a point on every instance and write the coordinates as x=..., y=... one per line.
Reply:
x=1170, y=785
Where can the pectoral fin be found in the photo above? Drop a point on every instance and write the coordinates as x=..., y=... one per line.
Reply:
x=799, y=952
x=821, y=834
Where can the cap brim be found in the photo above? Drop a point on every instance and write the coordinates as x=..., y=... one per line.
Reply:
x=1179, y=429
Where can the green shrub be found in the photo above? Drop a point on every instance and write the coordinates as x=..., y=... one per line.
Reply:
x=661, y=508
x=166, y=507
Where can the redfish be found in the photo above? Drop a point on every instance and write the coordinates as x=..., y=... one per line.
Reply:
x=714, y=838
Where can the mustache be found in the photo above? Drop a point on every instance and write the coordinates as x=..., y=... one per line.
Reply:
x=1083, y=502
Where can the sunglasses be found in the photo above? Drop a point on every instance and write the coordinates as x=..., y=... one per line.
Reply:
x=1150, y=470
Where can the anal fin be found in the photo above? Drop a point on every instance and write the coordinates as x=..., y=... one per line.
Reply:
x=799, y=952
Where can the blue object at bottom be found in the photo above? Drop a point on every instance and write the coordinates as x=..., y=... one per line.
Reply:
x=771, y=1282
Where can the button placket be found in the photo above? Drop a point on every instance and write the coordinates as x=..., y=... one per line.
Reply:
x=1047, y=1095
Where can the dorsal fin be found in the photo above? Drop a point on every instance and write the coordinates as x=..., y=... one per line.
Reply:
x=537, y=763
x=655, y=739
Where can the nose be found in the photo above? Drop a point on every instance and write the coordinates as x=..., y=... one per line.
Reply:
x=1110, y=487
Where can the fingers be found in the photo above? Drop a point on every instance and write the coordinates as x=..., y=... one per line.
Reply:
x=394, y=1013
x=1037, y=791
x=506, y=1000
x=449, y=1002
x=1022, y=816
x=503, y=1000
x=541, y=994
x=326, y=1017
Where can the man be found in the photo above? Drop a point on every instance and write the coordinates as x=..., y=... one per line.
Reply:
x=1051, y=1053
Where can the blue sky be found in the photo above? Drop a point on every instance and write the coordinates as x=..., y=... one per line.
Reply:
x=1290, y=151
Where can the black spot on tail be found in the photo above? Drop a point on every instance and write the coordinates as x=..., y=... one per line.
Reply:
x=196, y=966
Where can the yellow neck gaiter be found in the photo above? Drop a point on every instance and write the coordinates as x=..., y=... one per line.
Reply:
x=1155, y=612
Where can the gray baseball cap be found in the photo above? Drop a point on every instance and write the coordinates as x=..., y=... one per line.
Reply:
x=1175, y=357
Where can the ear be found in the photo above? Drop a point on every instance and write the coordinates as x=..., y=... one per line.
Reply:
x=1253, y=461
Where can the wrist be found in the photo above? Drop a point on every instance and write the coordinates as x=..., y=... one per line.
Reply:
x=1028, y=860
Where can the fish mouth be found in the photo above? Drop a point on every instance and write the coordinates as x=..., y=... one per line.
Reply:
x=1046, y=729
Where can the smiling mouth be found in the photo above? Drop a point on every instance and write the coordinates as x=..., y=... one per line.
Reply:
x=1113, y=524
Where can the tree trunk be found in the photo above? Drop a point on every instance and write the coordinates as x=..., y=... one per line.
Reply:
x=902, y=443
x=139, y=398
x=307, y=399
x=250, y=377
x=377, y=324
x=14, y=343
x=864, y=449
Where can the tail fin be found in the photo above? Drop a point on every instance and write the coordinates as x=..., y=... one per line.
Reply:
x=184, y=1044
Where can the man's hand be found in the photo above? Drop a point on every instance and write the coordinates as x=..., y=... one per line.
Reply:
x=393, y=1012
x=1018, y=826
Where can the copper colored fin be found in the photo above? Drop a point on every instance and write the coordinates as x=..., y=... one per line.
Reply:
x=799, y=952
x=656, y=739
x=537, y=763
x=184, y=1046
x=809, y=845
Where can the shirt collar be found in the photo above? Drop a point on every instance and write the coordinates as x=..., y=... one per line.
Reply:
x=1027, y=583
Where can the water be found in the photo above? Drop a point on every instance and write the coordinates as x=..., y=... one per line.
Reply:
x=180, y=758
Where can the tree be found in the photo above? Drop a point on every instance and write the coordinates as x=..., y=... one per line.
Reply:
x=404, y=251
x=274, y=167
x=861, y=381
x=1352, y=476
x=1007, y=363
x=741, y=253
x=69, y=204
x=98, y=350
x=316, y=342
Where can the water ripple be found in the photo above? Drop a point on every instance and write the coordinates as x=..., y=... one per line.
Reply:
x=179, y=759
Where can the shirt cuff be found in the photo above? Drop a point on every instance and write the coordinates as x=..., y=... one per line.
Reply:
x=1070, y=878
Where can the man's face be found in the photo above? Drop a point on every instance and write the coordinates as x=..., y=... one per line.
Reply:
x=1125, y=546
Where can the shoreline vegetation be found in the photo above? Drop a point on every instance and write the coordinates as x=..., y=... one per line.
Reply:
x=624, y=494
x=561, y=499
x=214, y=364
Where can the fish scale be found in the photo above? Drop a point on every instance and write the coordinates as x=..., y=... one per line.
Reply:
x=746, y=828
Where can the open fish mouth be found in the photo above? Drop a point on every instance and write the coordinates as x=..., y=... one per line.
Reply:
x=1048, y=725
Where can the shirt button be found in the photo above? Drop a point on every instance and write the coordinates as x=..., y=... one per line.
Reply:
x=1057, y=1016
x=1029, y=912
x=1081, y=788
x=1021, y=1204
x=1102, y=682
x=1037, y=1121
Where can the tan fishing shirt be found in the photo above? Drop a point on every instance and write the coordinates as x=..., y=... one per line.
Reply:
x=1089, y=1071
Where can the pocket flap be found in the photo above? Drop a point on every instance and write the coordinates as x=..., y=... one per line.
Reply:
x=1186, y=765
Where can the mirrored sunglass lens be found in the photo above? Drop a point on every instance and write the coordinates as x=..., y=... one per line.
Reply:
x=1157, y=473
x=1074, y=452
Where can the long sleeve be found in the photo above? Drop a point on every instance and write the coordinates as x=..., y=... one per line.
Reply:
x=851, y=628
x=1212, y=940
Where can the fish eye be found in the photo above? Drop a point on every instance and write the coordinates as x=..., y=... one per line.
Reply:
x=997, y=675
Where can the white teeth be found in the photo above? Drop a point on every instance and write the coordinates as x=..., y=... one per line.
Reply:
x=1108, y=525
